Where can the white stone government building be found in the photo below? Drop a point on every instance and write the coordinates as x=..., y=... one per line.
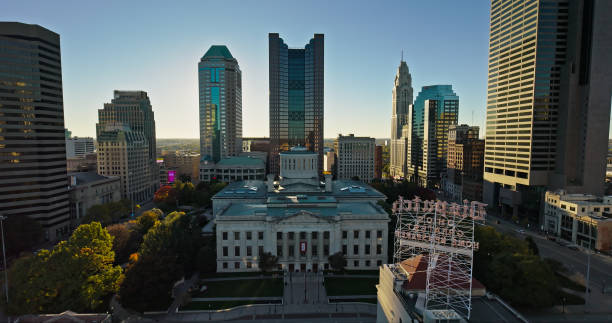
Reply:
x=300, y=220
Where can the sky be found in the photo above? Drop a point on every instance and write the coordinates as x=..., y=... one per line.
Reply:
x=155, y=46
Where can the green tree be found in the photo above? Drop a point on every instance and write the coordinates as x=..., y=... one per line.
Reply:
x=147, y=219
x=126, y=240
x=532, y=246
x=336, y=261
x=206, y=261
x=77, y=274
x=268, y=262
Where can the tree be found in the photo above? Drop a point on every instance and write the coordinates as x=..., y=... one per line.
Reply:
x=336, y=261
x=147, y=219
x=126, y=240
x=107, y=213
x=22, y=233
x=168, y=252
x=77, y=274
x=207, y=258
x=532, y=246
x=268, y=262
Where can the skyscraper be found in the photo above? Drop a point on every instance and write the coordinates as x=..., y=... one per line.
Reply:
x=124, y=126
x=400, y=117
x=548, y=103
x=436, y=107
x=296, y=97
x=220, y=82
x=32, y=141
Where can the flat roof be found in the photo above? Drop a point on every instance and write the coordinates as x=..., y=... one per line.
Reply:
x=241, y=161
x=247, y=209
x=89, y=177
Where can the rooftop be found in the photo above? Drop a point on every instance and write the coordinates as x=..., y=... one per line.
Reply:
x=218, y=51
x=241, y=161
x=88, y=177
x=358, y=208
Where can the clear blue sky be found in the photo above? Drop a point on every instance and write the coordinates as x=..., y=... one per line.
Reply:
x=155, y=46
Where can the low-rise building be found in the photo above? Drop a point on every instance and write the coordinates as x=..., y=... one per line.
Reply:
x=87, y=163
x=88, y=189
x=583, y=219
x=299, y=219
x=79, y=146
x=184, y=163
x=401, y=298
x=233, y=169
x=355, y=157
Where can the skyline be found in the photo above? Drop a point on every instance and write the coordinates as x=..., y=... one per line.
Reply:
x=153, y=59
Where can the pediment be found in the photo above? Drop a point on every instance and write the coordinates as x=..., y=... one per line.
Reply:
x=303, y=216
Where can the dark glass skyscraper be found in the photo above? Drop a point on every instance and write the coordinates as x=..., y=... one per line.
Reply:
x=33, y=179
x=220, y=82
x=296, y=97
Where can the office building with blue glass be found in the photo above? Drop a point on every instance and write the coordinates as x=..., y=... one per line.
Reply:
x=296, y=97
x=435, y=108
x=220, y=82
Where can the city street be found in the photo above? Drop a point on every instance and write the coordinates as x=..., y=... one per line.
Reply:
x=575, y=261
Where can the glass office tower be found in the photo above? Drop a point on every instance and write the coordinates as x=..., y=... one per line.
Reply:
x=33, y=180
x=296, y=97
x=220, y=83
x=436, y=107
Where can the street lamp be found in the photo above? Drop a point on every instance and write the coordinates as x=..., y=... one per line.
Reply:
x=2, y=218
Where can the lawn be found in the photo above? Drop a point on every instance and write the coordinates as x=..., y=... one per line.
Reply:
x=243, y=288
x=340, y=286
x=194, y=306
x=353, y=300
x=568, y=283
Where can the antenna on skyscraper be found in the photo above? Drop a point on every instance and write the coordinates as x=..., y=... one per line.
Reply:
x=402, y=56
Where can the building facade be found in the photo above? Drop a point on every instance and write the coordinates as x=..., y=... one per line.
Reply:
x=464, y=164
x=583, y=219
x=233, y=169
x=255, y=144
x=32, y=141
x=220, y=83
x=548, y=101
x=87, y=163
x=400, y=119
x=436, y=108
x=184, y=163
x=127, y=145
x=296, y=97
x=88, y=189
x=300, y=220
x=124, y=153
x=79, y=146
x=355, y=157
x=378, y=161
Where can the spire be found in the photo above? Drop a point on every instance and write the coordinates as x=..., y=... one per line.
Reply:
x=402, y=56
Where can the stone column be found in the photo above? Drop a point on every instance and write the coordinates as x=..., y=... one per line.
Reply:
x=285, y=247
x=320, y=243
x=309, y=246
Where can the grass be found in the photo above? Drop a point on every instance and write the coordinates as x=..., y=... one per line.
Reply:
x=218, y=305
x=243, y=288
x=341, y=286
x=354, y=300
x=568, y=283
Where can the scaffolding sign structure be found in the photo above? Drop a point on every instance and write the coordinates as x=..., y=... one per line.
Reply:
x=444, y=233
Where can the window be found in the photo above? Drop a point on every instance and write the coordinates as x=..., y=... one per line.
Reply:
x=279, y=251
x=344, y=234
x=356, y=249
x=260, y=251
x=236, y=235
x=237, y=265
x=378, y=249
x=379, y=263
x=367, y=249
x=356, y=263
x=302, y=235
x=224, y=235
x=367, y=234
x=344, y=249
x=326, y=235
x=248, y=235
x=225, y=265
x=315, y=235
x=291, y=235
x=326, y=266
x=260, y=235
x=237, y=251
x=225, y=252
x=249, y=251
x=367, y=263
x=291, y=250
x=355, y=234
x=315, y=251
x=249, y=265
x=279, y=236
x=326, y=250
x=379, y=234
